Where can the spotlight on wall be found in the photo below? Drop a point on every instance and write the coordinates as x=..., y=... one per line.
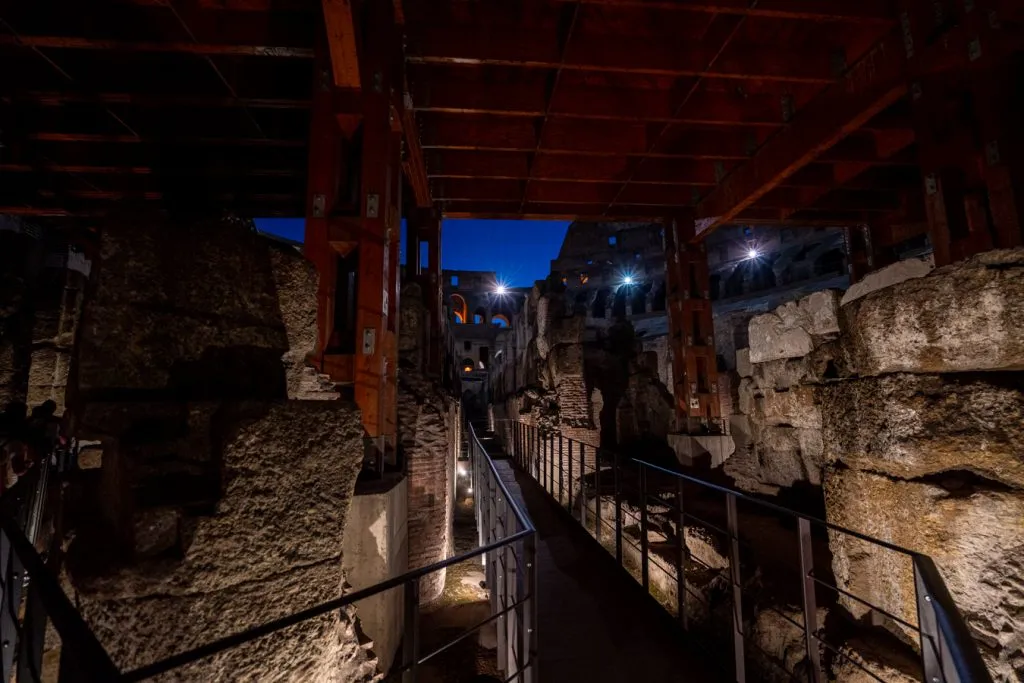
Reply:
x=752, y=254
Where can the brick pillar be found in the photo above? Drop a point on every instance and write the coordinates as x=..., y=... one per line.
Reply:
x=691, y=329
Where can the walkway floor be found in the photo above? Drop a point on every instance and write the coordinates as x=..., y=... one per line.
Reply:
x=595, y=624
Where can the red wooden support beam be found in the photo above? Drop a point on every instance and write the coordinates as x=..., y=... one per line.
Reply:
x=530, y=49
x=691, y=328
x=379, y=228
x=858, y=11
x=208, y=49
x=413, y=163
x=875, y=82
x=341, y=37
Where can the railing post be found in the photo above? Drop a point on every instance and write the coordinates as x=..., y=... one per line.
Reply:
x=931, y=657
x=569, y=497
x=529, y=632
x=732, y=519
x=618, y=508
x=551, y=465
x=810, y=601
x=645, y=577
x=411, y=641
x=582, y=500
x=681, y=557
x=511, y=620
x=501, y=589
x=561, y=469
x=597, y=495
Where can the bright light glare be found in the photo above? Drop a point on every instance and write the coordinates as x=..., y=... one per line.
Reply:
x=462, y=471
x=500, y=290
x=752, y=253
x=628, y=280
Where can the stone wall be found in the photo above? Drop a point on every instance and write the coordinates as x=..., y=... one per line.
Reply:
x=923, y=445
x=216, y=503
x=272, y=546
x=778, y=428
x=429, y=433
x=903, y=407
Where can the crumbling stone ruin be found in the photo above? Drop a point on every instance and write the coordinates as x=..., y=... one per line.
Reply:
x=220, y=496
x=891, y=410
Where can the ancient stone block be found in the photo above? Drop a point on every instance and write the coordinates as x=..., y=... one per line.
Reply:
x=796, y=407
x=794, y=329
x=898, y=272
x=295, y=282
x=156, y=531
x=190, y=309
x=743, y=367
x=778, y=638
x=273, y=547
x=963, y=317
x=911, y=426
x=973, y=532
x=746, y=393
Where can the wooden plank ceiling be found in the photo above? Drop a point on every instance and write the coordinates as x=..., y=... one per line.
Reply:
x=747, y=111
x=635, y=108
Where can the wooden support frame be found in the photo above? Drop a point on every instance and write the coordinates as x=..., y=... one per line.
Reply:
x=691, y=328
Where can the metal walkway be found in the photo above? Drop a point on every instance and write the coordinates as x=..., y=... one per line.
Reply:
x=593, y=620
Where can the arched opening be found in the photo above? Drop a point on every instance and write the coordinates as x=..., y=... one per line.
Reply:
x=658, y=303
x=619, y=302
x=467, y=365
x=601, y=303
x=460, y=311
x=479, y=316
x=638, y=298
x=831, y=261
x=500, y=320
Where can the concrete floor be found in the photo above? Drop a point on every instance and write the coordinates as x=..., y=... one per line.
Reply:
x=595, y=624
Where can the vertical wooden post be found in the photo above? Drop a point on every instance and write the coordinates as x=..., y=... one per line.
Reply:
x=380, y=216
x=691, y=329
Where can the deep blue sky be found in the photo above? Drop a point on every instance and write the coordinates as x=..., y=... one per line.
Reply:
x=519, y=251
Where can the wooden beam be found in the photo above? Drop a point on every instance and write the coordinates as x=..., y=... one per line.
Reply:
x=874, y=83
x=854, y=11
x=341, y=38
x=526, y=99
x=209, y=49
x=60, y=98
x=413, y=164
x=530, y=49
x=129, y=139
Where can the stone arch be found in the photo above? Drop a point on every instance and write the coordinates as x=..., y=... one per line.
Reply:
x=500, y=320
x=658, y=297
x=480, y=316
x=832, y=261
x=460, y=311
x=619, y=302
x=467, y=365
x=601, y=303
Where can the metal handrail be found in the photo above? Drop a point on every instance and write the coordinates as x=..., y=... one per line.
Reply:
x=526, y=604
x=948, y=652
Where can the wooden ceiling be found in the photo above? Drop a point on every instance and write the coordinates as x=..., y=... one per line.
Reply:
x=637, y=108
x=743, y=110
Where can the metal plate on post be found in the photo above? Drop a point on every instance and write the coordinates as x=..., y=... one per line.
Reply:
x=369, y=341
x=373, y=206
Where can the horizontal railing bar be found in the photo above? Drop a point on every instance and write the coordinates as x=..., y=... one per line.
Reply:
x=912, y=627
x=228, y=642
x=75, y=634
x=778, y=508
x=771, y=506
x=520, y=515
x=493, y=617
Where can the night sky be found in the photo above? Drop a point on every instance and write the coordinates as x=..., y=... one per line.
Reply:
x=519, y=251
